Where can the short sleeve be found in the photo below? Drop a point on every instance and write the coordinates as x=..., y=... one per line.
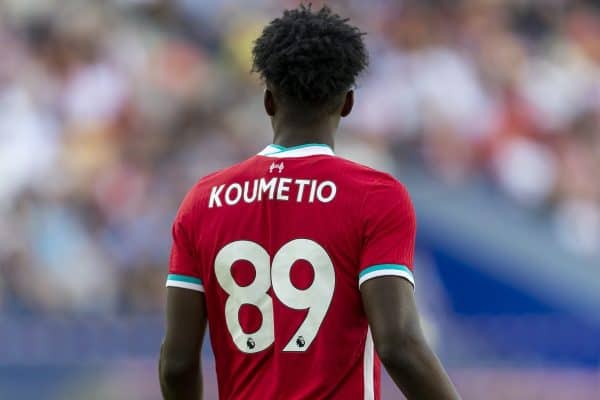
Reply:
x=389, y=232
x=184, y=268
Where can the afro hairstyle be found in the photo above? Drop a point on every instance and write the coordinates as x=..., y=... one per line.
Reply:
x=310, y=57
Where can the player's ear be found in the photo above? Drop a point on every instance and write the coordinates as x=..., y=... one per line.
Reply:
x=269, y=102
x=348, y=104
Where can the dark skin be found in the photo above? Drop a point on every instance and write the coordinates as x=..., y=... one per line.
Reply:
x=179, y=366
x=389, y=302
x=293, y=126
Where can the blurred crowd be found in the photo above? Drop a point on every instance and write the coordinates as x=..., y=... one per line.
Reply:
x=110, y=111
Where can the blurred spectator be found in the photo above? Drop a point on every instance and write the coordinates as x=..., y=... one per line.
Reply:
x=109, y=111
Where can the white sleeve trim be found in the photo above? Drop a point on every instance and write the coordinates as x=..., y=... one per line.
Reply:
x=387, y=272
x=185, y=285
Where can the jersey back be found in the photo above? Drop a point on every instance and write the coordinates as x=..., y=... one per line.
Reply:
x=280, y=245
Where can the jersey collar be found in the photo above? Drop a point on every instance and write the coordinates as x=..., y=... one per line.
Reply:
x=303, y=150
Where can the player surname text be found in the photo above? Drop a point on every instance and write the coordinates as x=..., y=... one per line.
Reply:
x=277, y=188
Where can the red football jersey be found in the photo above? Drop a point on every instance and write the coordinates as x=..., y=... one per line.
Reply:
x=280, y=245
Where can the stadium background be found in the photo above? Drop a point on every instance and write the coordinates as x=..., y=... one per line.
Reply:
x=489, y=111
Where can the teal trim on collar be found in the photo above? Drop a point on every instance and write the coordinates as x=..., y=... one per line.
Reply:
x=273, y=149
x=300, y=146
x=278, y=147
x=303, y=150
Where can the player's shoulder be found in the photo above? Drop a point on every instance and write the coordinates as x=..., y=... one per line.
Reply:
x=366, y=177
x=376, y=190
x=222, y=175
x=199, y=193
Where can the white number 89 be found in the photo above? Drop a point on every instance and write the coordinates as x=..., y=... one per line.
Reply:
x=316, y=298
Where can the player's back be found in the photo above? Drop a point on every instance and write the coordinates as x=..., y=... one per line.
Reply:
x=280, y=244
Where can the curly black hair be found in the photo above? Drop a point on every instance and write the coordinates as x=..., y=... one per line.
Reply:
x=311, y=57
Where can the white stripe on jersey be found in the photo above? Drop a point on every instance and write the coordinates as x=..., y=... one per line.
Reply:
x=368, y=368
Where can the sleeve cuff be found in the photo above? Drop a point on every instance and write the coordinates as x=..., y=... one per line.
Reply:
x=386, y=270
x=184, y=281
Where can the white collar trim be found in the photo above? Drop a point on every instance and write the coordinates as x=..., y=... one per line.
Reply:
x=312, y=149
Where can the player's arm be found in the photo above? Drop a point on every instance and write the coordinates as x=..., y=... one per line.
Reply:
x=390, y=307
x=386, y=283
x=179, y=365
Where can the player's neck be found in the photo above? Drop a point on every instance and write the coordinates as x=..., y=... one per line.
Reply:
x=295, y=136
